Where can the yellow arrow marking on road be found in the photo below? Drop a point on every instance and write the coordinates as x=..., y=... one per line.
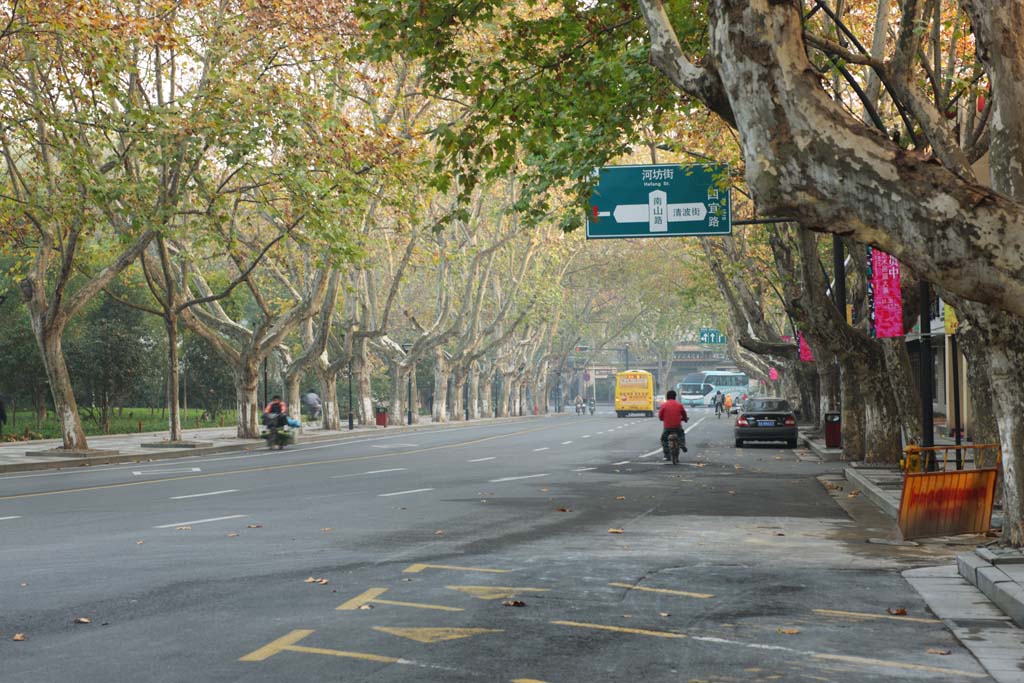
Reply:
x=669, y=591
x=418, y=567
x=287, y=644
x=435, y=635
x=495, y=592
x=373, y=596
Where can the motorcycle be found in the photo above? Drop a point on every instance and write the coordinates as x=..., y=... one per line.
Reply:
x=592, y=407
x=278, y=431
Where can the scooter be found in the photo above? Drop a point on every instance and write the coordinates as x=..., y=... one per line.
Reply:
x=592, y=407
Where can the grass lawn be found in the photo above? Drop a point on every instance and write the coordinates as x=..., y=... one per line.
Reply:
x=120, y=423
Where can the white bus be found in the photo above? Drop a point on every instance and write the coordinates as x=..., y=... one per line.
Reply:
x=698, y=388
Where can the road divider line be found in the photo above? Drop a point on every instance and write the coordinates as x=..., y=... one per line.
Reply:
x=480, y=459
x=418, y=567
x=201, y=495
x=3, y=519
x=667, y=591
x=654, y=452
x=373, y=596
x=199, y=521
x=586, y=436
x=622, y=629
x=584, y=469
x=566, y=443
x=360, y=474
x=288, y=642
x=538, y=450
x=139, y=473
x=525, y=476
x=622, y=462
x=402, y=493
x=694, y=425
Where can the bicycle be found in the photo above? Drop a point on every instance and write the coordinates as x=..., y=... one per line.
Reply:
x=673, y=448
x=718, y=410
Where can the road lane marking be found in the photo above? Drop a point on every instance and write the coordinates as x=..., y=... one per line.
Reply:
x=373, y=596
x=584, y=469
x=538, y=450
x=623, y=462
x=480, y=459
x=654, y=452
x=199, y=521
x=621, y=629
x=2, y=519
x=825, y=656
x=435, y=635
x=419, y=567
x=667, y=591
x=139, y=473
x=360, y=474
x=395, y=445
x=200, y=495
x=495, y=592
x=293, y=465
x=402, y=493
x=867, y=615
x=525, y=476
x=566, y=443
x=586, y=436
x=694, y=425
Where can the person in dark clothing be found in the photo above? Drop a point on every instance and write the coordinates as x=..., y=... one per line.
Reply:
x=3, y=415
x=672, y=415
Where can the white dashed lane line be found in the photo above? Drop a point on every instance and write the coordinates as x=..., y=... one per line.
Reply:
x=526, y=476
x=538, y=450
x=199, y=521
x=624, y=462
x=361, y=474
x=586, y=436
x=4, y=519
x=200, y=495
x=402, y=493
x=654, y=452
x=480, y=459
x=566, y=443
x=584, y=469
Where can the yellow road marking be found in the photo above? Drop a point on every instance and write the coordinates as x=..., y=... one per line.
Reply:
x=622, y=629
x=279, y=645
x=495, y=592
x=687, y=594
x=526, y=680
x=868, y=661
x=362, y=599
x=372, y=594
x=435, y=635
x=418, y=567
x=343, y=653
x=268, y=468
x=866, y=615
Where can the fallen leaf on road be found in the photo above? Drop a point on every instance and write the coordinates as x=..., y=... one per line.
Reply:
x=326, y=529
x=563, y=510
x=232, y=534
x=620, y=498
x=615, y=531
x=778, y=457
x=19, y=637
x=323, y=582
x=779, y=533
x=514, y=603
x=139, y=542
x=545, y=490
x=936, y=651
x=788, y=631
x=732, y=493
x=897, y=611
x=310, y=580
x=699, y=464
x=316, y=580
x=183, y=528
x=439, y=532
x=83, y=620
x=664, y=614
x=853, y=494
x=365, y=606
x=738, y=467
x=627, y=616
x=254, y=526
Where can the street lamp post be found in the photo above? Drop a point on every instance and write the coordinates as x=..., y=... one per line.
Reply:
x=627, y=355
x=351, y=420
x=408, y=391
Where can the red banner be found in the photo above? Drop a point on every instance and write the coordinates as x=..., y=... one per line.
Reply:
x=888, y=300
x=805, y=351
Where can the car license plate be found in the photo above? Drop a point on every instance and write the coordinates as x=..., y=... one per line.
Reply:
x=766, y=423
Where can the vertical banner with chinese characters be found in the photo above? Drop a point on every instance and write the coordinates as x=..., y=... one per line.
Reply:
x=886, y=297
x=805, y=351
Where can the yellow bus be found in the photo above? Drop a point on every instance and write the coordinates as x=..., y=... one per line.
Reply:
x=634, y=393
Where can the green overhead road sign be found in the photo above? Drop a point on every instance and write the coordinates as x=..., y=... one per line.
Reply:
x=709, y=335
x=667, y=200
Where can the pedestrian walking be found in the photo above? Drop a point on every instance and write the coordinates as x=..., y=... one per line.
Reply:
x=3, y=415
x=312, y=402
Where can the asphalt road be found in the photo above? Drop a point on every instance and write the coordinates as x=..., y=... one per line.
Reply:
x=737, y=565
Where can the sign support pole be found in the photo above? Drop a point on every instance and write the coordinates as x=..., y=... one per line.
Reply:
x=925, y=356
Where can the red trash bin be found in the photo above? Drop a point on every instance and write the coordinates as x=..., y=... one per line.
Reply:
x=833, y=430
x=382, y=416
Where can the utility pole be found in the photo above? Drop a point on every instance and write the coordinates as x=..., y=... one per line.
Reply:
x=925, y=376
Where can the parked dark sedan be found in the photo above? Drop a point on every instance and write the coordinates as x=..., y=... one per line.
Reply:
x=766, y=419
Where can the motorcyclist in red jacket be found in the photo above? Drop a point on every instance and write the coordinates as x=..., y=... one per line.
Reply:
x=672, y=415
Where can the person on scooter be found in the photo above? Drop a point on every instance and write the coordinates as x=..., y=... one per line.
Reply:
x=579, y=404
x=592, y=405
x=275, y=415
x=672, y=415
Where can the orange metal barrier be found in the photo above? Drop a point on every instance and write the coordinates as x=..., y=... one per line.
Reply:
x=946, y=503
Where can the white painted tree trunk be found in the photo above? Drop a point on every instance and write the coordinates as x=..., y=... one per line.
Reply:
x=246, y=393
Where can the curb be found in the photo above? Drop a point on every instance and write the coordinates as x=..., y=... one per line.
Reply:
x=997, y=585
x=873, y=491
x=819, y=449
x=256, y=444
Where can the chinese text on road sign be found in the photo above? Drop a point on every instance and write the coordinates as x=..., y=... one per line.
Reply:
x=668, y=200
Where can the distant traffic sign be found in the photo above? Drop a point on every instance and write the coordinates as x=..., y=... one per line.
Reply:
x=666, y=200
x=709, y=335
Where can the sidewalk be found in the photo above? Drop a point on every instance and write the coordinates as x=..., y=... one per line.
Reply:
x=998, y=573
x=23, y=456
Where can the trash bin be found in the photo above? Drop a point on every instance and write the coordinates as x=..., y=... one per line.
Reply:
x=382, y=416
x=833, y=430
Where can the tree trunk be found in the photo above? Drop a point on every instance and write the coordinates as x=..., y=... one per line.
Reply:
x=458, y=385
x=984, y=428
x=329, y=398
x=852, y=412
x=415, y=396
x=247, y=381
x=173, y=379
x=904, y=389
x=486, y=391
x=441, y=373
x=64, y=404
x=474, y=394
x=293, y=393
x=395, y=412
